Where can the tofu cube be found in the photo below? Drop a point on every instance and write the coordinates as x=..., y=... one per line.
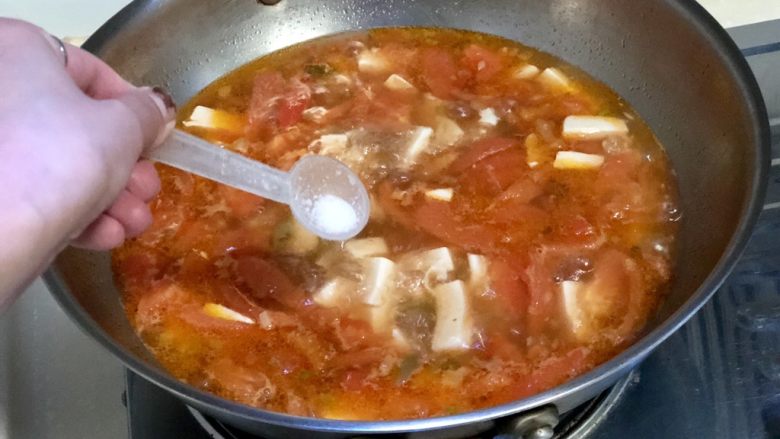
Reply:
x=448, y=132
x=209, y=118
x=577, y=160
x=222, y=312
x=592, y=127
x=444, y=194
x=372, y=62
x=333, y=144
x=570, y=291
x=365, y=247
x=436, y=262
x=555, y=80
x=478, y=267
x=420, y=138
x=314, y=114
x=527, y=71
x=377, y=281
x=488, y=117
x=336, y=292
x=453, y=329
x=397, y=82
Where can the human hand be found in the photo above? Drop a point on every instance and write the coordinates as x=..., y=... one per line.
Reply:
x=70, y=140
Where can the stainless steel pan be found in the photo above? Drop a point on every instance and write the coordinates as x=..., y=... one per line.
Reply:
x=669, y=58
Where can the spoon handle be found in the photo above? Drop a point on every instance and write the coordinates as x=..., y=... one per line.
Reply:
x=192, y=154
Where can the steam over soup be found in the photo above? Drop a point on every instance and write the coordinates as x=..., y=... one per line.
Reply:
x=522, y=226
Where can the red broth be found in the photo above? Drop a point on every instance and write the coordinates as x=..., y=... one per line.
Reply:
x=522, y=231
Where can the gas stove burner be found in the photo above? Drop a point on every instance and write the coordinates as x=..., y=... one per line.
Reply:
x=542, y=423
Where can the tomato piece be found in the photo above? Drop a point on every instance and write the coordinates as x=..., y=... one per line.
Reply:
x=618, y=170
x=439, y=219
x=481, y=150
x=296, y=100
x=619, y=286
x=233, y=298
x=492, y=175
x=533, y=219
x=483, y=62
x=576, y=226
x=164, y=299
x=275, y=104
x=440, y=72
x=267, y=88
x=506, y=281
x=266, y=281
x=245, y=384
x=541, y=288
x=523, y=190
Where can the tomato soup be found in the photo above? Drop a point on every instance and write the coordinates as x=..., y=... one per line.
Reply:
x=522, y=231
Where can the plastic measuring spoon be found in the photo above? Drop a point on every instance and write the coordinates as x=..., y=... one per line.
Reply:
x=324, y=195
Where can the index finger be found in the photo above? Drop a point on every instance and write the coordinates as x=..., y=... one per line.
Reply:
x=93, y=76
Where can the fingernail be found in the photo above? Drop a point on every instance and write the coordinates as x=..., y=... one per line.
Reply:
x=164, y=102
x=167, y=108
x=164, y=133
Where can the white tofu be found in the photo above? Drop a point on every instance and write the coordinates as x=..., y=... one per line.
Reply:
x=372, y=62
x=205, y=117
x=265, y=320
x=488, y=117
x=365, y=247
x=342, y=79
x=478, y=267
x=570, y=290
x=436, y=262
x=443, y=194
x=314, y=114
x=419, y=141
x=376, y=213
x=382, y=317
x=453, y=329
x=222, y=312
x=397, y=82
x=535, y=152
x=335, y=292
x=592, y=127
x=333, y=144
x=377, y=281
x=447, y=132
x=528, y=71
x=577, y=160
x=554, y=79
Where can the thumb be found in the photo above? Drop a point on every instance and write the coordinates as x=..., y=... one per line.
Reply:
x=139, y=119
x=154, y=110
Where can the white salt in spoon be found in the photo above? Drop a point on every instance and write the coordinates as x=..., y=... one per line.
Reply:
x=324, y=195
